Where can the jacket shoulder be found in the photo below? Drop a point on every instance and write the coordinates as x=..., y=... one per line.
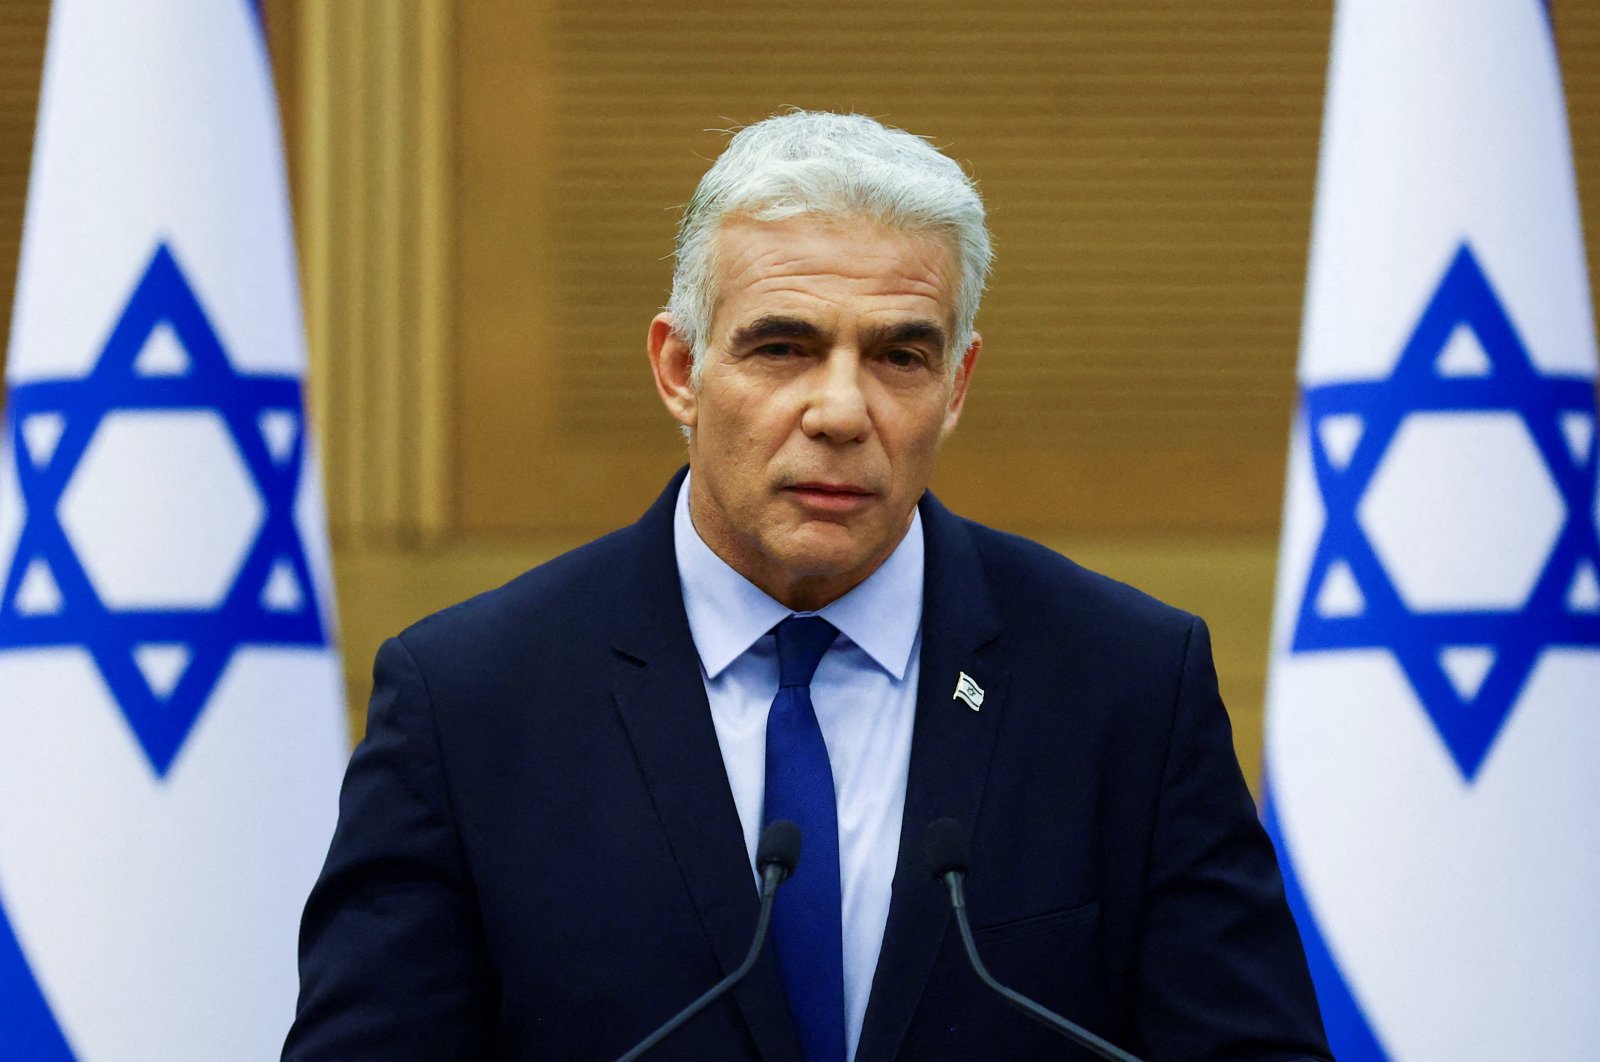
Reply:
x=1036, y=581
x=564, y=597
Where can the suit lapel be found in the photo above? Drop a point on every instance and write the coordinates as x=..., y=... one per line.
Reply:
x=950, y=748
x=662, y=703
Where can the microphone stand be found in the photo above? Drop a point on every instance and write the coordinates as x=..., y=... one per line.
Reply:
x=945, y=846
x=1043, y=1015
x=774, y=871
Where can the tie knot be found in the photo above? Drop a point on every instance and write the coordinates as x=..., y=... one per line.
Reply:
x=801, y=642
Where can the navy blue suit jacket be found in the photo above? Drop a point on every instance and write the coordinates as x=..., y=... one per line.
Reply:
x=538, y=855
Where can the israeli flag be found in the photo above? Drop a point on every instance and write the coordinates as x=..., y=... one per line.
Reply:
x=1433, y=728
x=171, y=720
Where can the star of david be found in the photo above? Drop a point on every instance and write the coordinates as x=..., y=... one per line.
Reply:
x=1352, y=601
x=161, y=664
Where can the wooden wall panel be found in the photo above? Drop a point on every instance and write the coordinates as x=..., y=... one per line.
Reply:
x=1578, y=37
x=22, y=32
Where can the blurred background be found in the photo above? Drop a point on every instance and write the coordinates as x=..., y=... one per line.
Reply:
x=485, y=194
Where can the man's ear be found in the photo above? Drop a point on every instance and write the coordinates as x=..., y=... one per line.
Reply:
x=672, y=361
x=958, y=392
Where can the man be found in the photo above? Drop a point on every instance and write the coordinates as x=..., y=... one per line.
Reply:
x=546, y=838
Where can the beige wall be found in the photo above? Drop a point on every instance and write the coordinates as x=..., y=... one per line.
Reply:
x=484, y=194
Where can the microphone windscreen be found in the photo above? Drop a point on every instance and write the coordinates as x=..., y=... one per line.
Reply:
x=945, y=847
x=780, y=844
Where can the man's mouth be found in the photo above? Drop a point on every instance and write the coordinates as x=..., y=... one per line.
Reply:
x=830, y=496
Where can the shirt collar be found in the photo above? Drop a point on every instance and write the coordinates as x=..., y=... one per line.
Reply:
x=728, y=613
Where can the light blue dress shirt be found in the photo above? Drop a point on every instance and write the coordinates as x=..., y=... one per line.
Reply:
x=864, y=693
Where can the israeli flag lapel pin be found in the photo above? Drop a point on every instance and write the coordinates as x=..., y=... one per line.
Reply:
x=969, y=691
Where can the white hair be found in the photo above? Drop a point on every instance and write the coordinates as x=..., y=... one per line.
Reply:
x=836, y=166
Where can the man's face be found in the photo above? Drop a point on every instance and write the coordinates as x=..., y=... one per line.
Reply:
x=823, y=400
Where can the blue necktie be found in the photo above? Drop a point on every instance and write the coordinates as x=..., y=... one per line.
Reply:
x=807, y=931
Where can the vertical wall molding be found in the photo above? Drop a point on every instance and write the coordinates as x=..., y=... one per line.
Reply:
x=374, y=99
x=436, y=293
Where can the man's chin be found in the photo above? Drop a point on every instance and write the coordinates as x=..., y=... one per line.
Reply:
x=824, y=553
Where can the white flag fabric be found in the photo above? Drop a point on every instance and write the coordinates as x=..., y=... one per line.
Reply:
x=1433, y=727
x=171, y=708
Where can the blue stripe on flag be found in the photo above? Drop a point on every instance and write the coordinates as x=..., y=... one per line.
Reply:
x=1349, y=1035
x=27, y=1028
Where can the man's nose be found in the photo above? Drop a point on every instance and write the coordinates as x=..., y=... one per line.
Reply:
x=836, y=408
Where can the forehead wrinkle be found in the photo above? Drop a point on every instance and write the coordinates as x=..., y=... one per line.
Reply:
x=796, y=272
x=782, y=260
x=816, y=287
x=798, y=268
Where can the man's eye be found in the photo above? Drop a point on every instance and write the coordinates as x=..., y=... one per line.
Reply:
x=905, y=358
x=778, y=350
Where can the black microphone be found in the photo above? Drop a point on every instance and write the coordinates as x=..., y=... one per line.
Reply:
x=777, y=854
x=945, y=846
